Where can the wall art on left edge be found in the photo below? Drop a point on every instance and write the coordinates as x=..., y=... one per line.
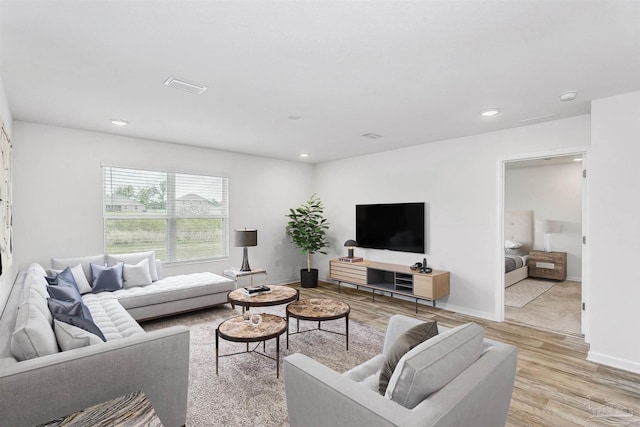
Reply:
x=6, y=201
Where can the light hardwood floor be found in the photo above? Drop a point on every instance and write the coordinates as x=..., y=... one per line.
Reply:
x=555, y=384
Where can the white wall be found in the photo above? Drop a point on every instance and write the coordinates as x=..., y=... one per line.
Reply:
x=458, y=181
x=552, y=192
x=614, y=236
x=8, y=274
x=58, y=194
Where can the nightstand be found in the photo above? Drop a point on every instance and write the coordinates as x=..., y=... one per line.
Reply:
x=548, y=265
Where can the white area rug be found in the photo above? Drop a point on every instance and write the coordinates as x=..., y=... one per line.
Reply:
x=246, y=391
x=525, y=291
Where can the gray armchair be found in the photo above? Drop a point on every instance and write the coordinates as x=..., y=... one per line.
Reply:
x=479, y=396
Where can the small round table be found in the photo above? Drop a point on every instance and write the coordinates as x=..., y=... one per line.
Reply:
x=237, y=329
x=278, y=295
x=320, y=310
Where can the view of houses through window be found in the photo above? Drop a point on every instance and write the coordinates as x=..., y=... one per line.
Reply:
x=182, y=217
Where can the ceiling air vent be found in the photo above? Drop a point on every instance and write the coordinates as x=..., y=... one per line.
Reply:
x=190, y=87
x=372, y=136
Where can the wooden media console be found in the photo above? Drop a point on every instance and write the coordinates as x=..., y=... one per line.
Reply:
x=392, y=278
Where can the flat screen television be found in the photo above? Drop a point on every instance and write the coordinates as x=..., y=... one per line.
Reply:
x=393, y=226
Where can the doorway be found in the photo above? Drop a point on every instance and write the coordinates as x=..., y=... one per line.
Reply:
x=545, y=194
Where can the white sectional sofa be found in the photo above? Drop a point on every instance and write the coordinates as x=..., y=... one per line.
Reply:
x=39, y=382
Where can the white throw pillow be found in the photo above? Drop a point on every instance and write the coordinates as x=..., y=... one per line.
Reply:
x=78, y=275
x=137, y=275
x=70, y=337
x=134, y=258
x=512, y=244
x=432, y=365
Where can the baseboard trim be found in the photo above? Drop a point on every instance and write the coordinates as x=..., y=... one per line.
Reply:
x=614, y=362
x=575, y=279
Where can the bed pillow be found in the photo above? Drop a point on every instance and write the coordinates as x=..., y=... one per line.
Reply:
x=78, y=276
x=106, y=279
x=136, y=275
x=512, y=244
x=516, y=251
x=134, y=258
x=401, y=346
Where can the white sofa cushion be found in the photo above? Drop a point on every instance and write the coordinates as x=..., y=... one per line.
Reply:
x=70, y=337
x=368, y=373
x=174, y=288
x=35, y=280
x=33, y=335
x=109, y=315
x=85, y=261
x=134, y=258
x=433, y=364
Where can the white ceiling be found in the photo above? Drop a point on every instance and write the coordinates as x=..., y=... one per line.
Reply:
x=412, y=71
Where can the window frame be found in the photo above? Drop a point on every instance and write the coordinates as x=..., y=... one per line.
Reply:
x=171, y=216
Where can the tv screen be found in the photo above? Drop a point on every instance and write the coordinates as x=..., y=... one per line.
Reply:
x=394, y=226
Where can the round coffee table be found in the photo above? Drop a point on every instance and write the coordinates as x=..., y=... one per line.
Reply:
x=278, y=295
x=237, y=329
x=320, y=310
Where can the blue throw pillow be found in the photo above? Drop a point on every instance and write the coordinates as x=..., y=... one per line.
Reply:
x=71, y=308
x=81, y=323
x=106, y=279
x=65, y=275
x=65, y=291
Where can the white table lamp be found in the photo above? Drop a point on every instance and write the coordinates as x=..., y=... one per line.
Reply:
x=548, y=227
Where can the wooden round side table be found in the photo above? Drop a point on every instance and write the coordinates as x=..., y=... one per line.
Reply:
x=320, y=310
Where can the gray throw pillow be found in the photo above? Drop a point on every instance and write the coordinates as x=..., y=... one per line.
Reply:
x=107, y=279
x=405, y=342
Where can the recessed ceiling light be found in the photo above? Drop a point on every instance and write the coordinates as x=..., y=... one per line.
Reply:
x=568, y=96
x=304, y=154
x=294, y=117
x=577, y=160
x=185, y=85
x=489, y=112
x=119, y=122
x=372, y=135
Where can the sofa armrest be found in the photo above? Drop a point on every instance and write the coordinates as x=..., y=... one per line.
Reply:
x=318, y=396
x=41, y=389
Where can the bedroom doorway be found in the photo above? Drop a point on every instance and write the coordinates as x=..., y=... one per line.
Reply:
x=543, y=216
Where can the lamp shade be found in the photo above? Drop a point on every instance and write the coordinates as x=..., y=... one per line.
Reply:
x=246, y=237
x=548, y=226
x=350, y=243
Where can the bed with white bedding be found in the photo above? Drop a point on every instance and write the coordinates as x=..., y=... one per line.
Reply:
x=518, y=233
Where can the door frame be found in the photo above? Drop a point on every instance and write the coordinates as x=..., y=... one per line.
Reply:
x=499, y=244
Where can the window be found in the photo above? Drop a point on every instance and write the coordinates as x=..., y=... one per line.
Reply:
x=182, y=217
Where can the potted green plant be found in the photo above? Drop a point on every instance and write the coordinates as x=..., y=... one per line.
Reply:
x=307, y=229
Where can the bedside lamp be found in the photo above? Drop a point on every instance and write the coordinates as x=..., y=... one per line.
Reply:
x=350, y=244
x=548, y=227
x=244, y=239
